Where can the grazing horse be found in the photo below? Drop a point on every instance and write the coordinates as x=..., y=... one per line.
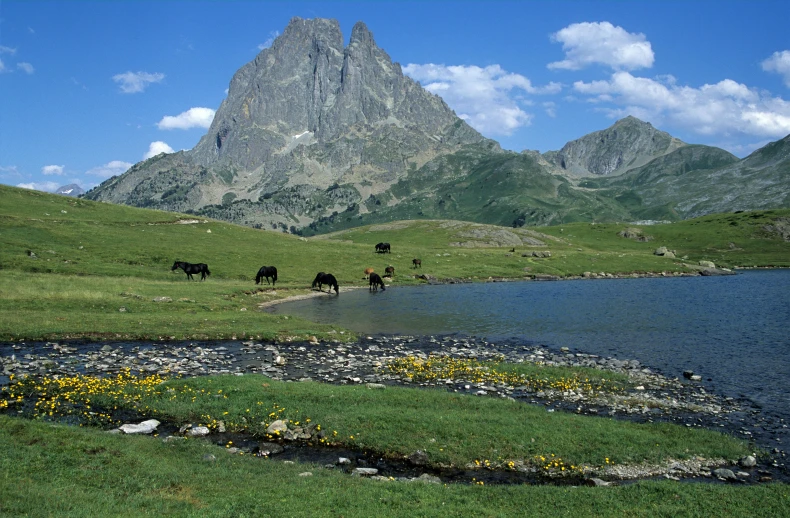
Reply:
x=190, y=268
x=368, y=271
x=383, y=248
x=389, y=271
x=325, y=278
x=266, y=272
x=375, y=282
x=416, y=263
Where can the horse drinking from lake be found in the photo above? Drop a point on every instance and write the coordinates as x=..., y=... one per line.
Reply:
x=325, y=278
x=266, y=272
x=190, y=268
x=375, y=282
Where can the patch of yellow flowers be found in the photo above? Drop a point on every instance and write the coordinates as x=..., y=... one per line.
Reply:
x=440, y=367
x=93, y=400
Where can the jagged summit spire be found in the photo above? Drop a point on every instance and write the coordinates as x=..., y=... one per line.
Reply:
x=361, y=34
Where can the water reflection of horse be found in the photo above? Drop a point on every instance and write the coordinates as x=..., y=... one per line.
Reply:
x=325, y=278
x=383, y=248
x=266, y=272
x=375, y=282
x=190, y=268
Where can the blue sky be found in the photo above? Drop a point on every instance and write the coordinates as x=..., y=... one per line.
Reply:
x=89, y=88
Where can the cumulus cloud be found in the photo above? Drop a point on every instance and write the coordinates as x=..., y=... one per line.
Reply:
x=268, y=43
x=192, y=118
x=27, y=68
x=40, y=186
x=109, y=169
x=713, y=109
x=135, y=82
x=591, y=43
x=7, y=50
x=49, y=170
x=157, y=147
x=779, y=62
x=486, y=98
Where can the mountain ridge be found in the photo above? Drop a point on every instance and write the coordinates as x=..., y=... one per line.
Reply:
x=314, y=137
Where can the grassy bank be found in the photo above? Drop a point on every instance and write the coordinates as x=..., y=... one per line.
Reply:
x=70, y=268
x=75, y=268
x=53, y=469
x=65, y=471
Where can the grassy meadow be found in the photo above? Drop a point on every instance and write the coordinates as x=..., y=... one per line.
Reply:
x=74, y=268
x=71, y=268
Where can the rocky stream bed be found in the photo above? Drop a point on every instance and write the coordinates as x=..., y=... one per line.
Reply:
x=653, y=398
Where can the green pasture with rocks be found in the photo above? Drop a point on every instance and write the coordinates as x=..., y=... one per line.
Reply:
x=76, y=269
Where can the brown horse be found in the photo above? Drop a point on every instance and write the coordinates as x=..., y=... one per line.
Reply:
x=416, y=263
x=389, y=271
x=368, y=271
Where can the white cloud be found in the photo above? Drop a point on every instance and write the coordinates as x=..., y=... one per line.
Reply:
x=192, y=118
x=26, y=67
x=589, y=43
x=268, y=43
x=49, y=170
x=40, y=186
x=135, y=82
x=7, y=50
x=483, y=97
x=109, y=169
x=2, y=66
x=157, y=147
x=719, y=109
x=779, y=62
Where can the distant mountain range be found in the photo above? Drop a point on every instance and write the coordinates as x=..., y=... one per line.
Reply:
x=315, y=137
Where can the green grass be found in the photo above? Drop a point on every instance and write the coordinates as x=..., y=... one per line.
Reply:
x=66, y=471
x=75, y=268
x=68, y=266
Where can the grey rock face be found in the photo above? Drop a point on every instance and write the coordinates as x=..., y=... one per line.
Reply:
x=629, y=143
x=305, y=115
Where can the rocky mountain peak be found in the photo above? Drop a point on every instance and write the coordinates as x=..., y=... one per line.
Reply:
x=304, y=115
x=361, y=34
x=627, y=144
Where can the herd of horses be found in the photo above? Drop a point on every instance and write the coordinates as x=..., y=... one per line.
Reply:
x=270, y=272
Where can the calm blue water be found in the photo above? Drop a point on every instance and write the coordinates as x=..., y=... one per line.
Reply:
x=734, y=330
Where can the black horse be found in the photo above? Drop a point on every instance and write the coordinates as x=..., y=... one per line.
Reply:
x=190, y=268
x=375, y=282
x=325, y=278
x=383, y=248
x=266, y=272
x=416, y=263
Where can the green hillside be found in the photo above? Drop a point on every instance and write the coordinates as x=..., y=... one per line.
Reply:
x=68, y=266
